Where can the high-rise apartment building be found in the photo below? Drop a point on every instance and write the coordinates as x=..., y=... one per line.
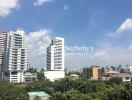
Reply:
x=55, y=59
x=15, y=57
x=55, y=54
x=3, y=35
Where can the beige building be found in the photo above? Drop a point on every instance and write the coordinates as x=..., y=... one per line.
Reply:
x=94, y=72
x=74, y=76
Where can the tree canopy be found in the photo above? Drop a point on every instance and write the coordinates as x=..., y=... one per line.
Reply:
x=68, y=89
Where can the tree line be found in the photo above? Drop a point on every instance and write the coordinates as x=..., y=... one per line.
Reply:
x=68, y=89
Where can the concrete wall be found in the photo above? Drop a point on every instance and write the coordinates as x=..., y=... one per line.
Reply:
x=38, y=98
x=54, y=75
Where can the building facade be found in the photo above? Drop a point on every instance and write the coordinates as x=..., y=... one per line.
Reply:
x=55, y=59
x=93, y=73
x=30, y=77
x=55, y=54
x=126, y=77
x=15, y=57
x=128, y=68
x=3, y=35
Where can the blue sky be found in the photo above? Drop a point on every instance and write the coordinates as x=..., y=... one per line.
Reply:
x=81, y=22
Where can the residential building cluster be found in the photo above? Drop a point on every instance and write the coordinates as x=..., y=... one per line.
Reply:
x=14, y=62
x=105, y=73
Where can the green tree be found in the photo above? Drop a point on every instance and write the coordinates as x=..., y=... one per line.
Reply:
x=70, y=95
x=12, y=92
x=115, y=80
x=32, y=70
x=40, y=76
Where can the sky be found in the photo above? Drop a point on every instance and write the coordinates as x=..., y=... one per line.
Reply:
x=104, y=25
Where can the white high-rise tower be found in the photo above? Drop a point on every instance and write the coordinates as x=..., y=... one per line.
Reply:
x=55, y=54
x=15, y=57
x=55, y=59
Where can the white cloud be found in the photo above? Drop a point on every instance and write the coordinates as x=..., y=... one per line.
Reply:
x=130, y=47
x=6, y=6
x=126, y=25
x=100, y=54
x=40, y=2
x=78, y=60
x=105, y=55
x=66, y=7
x=36, y=43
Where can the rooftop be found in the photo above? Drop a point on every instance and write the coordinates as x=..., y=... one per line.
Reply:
x=121, y=75
x=117, y=74
x=112, y=72
x=38, y=93
x=74, y=75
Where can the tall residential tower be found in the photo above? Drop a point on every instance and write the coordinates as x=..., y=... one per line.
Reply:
x=55, y=54
x=3, y=35
x=15, y=57
x=55, y=59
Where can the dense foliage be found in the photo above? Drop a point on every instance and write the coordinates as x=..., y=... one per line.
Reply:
x=12, y=92
x=67, y=89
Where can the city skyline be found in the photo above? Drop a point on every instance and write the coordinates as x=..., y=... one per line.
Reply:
x=104, y=25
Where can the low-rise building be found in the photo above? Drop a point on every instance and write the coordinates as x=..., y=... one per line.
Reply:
x=128, y=68
x=39, y=95
x=30, y=76
x=74, y=76
x=105, y=69
x=106, y=75
x=54, y=75
x=126, y=77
